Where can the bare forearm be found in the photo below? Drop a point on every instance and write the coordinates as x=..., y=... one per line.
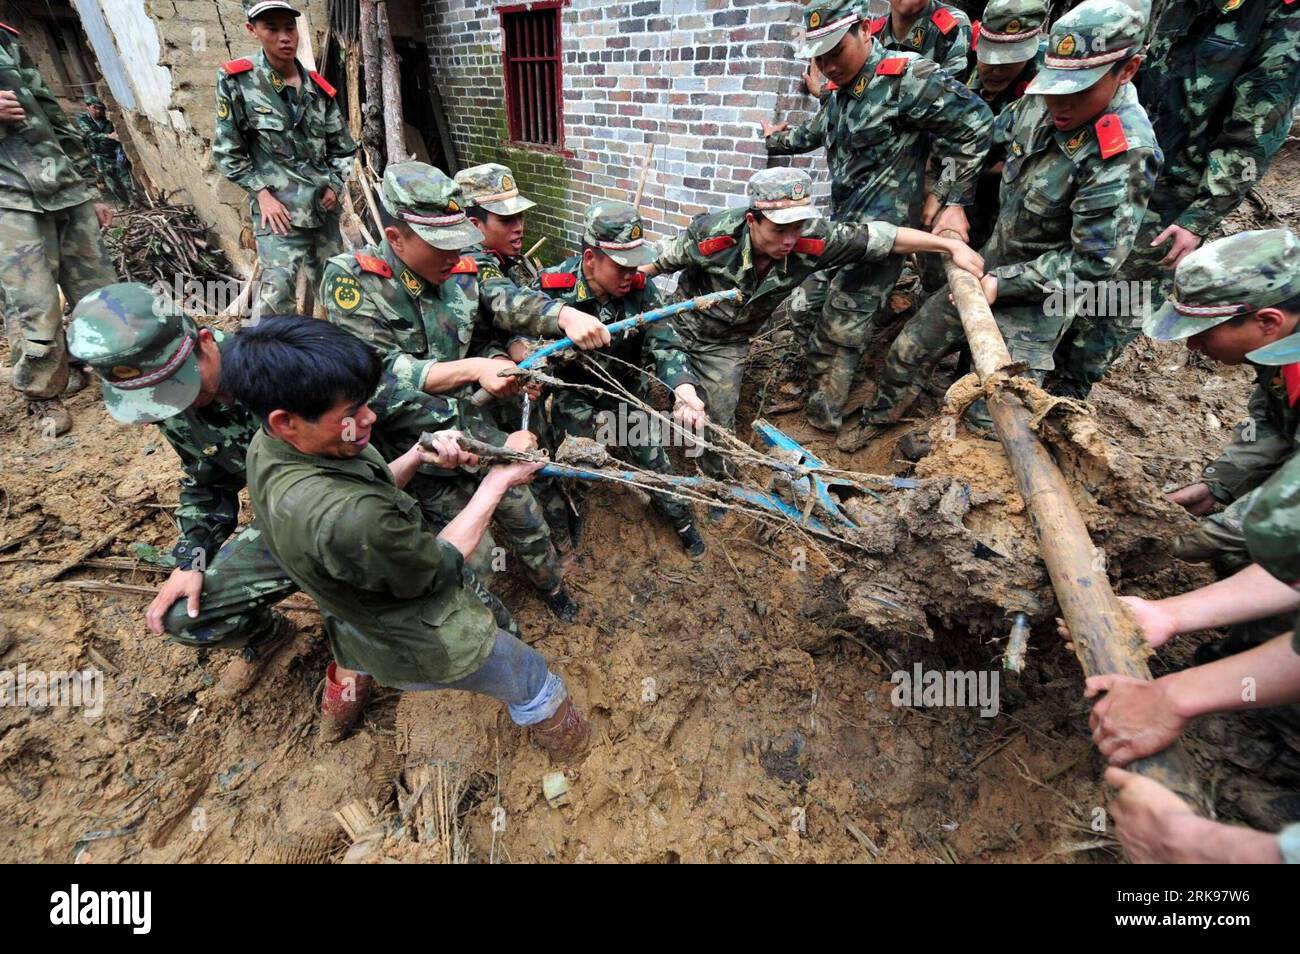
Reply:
x=1263, y=677
x=1252, y=594
x=1197, y=840
x=914, y=240
x=448, y=376
x=466, y=529
x=404, y=467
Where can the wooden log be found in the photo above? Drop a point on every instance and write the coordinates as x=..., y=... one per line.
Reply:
x=372, y=125
x=645, y=170
x=1106, y=638
x=391, y=80
x=352, y=67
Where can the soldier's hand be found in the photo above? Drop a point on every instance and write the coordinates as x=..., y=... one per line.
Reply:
x=273, y=212
x=446, y=452
x=967, y=259
x=181, y=585
x=1158, y=625
x=522, y=441
x=103, y=214
x=771, y=130
x=1136, y=717
x=812, y=81
x=11, y=111
x=516, y=474
x=1196, y=499
x=1149, y=819
x=930, y=209
x=587, y=331
x=688, y=411
x=1183, y=243
x=490, y=379
x=329, y=199
x=990, y=285
x=952, y=217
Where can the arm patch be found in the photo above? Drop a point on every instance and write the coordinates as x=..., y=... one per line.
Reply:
x=712, y=246
x=1110, y=136
x=558, y=281
x=810, y=246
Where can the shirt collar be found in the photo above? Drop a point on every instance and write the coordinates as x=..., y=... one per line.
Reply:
x=368, y=465
x=277, y=81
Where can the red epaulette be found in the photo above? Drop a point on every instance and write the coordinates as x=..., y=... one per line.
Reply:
x=324, y=84
x=375, y=266
x=638, y=280
x=944, y=20
x=466, y=266
x=974, y=34
x=879, y=24
x=810, y=246
x=1110, y=136
x=559, y=281
x=1287, y=2
x=10, y=29
x=235, y=67
x=893, y=66
x=1291, y=377
x=830, y=87
x=712, y=246
x=1021, y=87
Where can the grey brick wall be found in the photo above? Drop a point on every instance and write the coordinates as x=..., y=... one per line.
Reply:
x=694, y=77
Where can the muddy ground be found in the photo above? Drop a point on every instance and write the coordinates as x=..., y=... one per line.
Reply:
x=741, y=704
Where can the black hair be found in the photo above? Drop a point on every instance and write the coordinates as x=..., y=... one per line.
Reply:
x=388, y=220
x=477, y=213
x=1291, y=306
x=856, y=28
x=297, y=364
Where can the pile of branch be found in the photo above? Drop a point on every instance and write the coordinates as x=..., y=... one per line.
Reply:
x=164, y=242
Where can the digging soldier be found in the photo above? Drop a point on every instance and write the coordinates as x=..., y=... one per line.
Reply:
x=105, y=150
x=1081, y=162
x=1220, y=81
x=603, y=282
x=1238, y=300
x=767, y=249
x=156, y=366
x=280, y=137
x=889, y=115
x=50, y=222
x=415, y=298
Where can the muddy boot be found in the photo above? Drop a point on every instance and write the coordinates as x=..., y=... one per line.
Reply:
x=78, y=378
x=825, y=409
x=692, y=542
x=50, y=417
x=561, y=605
x=565, y=735
x=343, y=704
x=242, y=674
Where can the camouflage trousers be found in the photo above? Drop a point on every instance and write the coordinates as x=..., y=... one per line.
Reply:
x=116, y=178
x=39, y=253
x=281, y=257
x=720, y=367
x=244, y=581
x=574, y=413
x=1032, y=336
x=1219, y=539
x=1093, y=344
x=833, y=312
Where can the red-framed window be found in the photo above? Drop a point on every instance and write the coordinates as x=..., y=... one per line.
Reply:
x=533, y=62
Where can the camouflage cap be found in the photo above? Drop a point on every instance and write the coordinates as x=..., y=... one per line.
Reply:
x=492, y=187
x=825, y=22
x=782, y=195
x=1271, y=524
x=1232, y=276
x=143, y=349
x=255, y=8
x=1087, y=42
x=615, y=228
x=1010, y=31
x=431, y=204
x=93, y=100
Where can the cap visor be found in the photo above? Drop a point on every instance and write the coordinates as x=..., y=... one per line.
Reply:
x=823, y=44
x=151, y=405
x=1167, y=324
x=512, y=206
x=261, y=8
x=796, y=213
x=453, y=238
x=999, y=54
x=643, y=254
x=1051, y=82
x=1286, y=351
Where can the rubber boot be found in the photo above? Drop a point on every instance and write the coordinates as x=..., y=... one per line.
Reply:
x=242, y=674
x=565, y=735
x=825, y=410
x=343, y=704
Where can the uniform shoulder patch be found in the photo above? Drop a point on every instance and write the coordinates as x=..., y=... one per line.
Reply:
x=974, y=34
x=375, y=266
x=559, y=281
x=712, y=246
x=466, y=266
x=944, y=20
x=10, y=29
x=638, y=280
x=1110, y=136
x=343, y=292
x=878, y=24
x=323, y=83
x=235, y=67
x=810, y=246
x=1291, y=377
x=894, y=66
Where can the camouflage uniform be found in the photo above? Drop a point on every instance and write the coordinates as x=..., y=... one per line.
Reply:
x=1234, y=276
x=49, y=236
x=110, y=160
x=715, y=253
x=294, y=143
x=940, y=32
x=616, y=229
x=416, y=324
x=1220, y=81
x=149, y=374
x=878, y=130
x=1071, y=205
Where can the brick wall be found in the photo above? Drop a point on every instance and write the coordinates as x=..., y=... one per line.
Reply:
x=694, y=77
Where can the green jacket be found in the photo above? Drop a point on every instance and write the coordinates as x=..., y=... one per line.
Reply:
x=269, y=136
x=1071, y=203
x=1262, y=444
x=357, y=545
x=1220, y=82
x=656, y=345
x=941, y=33
x=714, y=253
x=505, y=301
x=44, y=166
x=95, y=133
x=879, y=131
